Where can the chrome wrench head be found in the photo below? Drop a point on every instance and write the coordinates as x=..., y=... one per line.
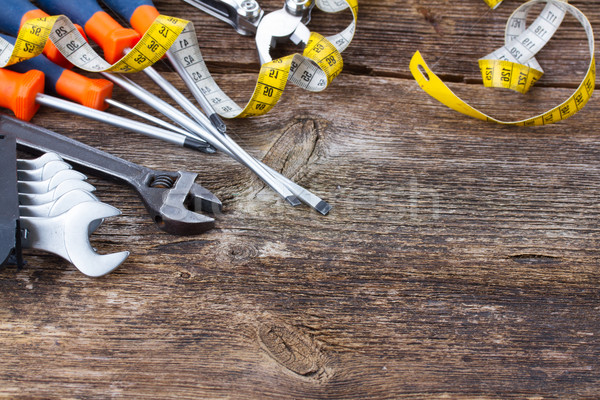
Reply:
x=66, y=235
x=173, y=200
x=56, y=207
x=37, y=162
x=49, y=184
x=44, y=172
x=32, y=199
x=61, y=205
x=243, y=15
x=285, y=24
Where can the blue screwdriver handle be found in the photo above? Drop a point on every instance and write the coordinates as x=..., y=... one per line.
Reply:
x=78, y=11
x=12, y=13
x=126, y=8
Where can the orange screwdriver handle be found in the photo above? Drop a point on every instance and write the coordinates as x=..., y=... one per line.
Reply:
x=19, y=92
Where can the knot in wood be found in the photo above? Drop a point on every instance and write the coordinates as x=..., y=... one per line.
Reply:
x=291, y=349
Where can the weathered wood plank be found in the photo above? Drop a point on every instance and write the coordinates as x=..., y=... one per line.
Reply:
x=459, y=260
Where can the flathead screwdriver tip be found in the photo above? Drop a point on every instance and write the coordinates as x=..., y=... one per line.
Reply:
x=323, y=207
x=199, y=145
x=293, y=200
x=218, y=122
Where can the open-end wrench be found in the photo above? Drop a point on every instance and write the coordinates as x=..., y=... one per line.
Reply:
x=39, y=187
x=171, y=198
x=42, y=173
x=61, y=205
x=33, y=199
x=66, y=235
x=36, y=163
x=54, y=208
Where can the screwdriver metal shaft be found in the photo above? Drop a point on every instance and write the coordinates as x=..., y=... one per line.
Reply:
x=121, y=122
x=304, y=195
x=214, y=118
x=205, y=123
x=228, y=147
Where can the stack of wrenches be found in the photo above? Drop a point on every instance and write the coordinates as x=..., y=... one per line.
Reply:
x=57, y=211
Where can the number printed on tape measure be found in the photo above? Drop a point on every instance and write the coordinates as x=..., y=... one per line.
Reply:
x=514, y=65
x=319, y=64
x=60, y=30
x=314, y=70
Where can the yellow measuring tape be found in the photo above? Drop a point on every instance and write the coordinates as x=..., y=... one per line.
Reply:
x=313, y=70
x=493, y=3
x=34, y=34
x=513, y=66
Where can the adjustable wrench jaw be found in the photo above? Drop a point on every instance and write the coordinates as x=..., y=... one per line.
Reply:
x=173, y=201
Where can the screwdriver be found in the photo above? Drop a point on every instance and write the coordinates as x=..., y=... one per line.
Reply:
x=304, y=195
x=110, y=36
x=16, y=12
x=141, y=14
x=23, y=94
x=85, y=11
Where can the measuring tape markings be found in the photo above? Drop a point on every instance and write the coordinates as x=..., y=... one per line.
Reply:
x=34, y=34
x=510, y=74
x=313, y=70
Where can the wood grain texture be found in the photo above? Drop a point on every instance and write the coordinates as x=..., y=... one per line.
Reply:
x=460, y=259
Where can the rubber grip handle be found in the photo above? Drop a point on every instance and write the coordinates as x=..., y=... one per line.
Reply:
x=139, y=13
x=19, y=92
x=99, y=26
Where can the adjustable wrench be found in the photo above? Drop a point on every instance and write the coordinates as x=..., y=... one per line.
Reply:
x=171, y=198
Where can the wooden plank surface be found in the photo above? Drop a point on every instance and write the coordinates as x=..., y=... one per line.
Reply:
x=460, y=259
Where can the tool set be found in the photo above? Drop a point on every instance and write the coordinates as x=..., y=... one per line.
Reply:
x=52, y=197
x=199, y=126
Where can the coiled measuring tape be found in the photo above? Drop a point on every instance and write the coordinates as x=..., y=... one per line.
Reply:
x=513, y=66
x=34, y=34
x=313, y=70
